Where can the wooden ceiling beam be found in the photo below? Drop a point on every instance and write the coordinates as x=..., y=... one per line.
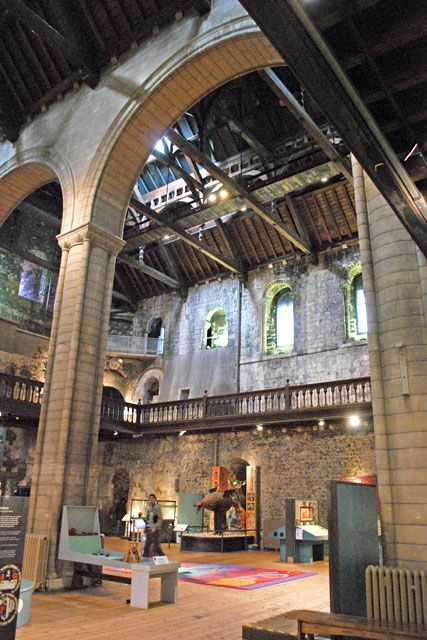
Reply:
x=179, y=231
x=30, y=19
x=293, y=34
x=227, y=240
x=136, y=265
x=305, y=120
x=194, y=185
x=236, y=188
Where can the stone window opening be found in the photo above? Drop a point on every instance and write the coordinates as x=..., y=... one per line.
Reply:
x=155, y=336
x=35, y=283
x=356, y=318
x=279, y=319
x=216, y=330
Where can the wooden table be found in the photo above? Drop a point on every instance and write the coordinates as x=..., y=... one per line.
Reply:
x=141, y=575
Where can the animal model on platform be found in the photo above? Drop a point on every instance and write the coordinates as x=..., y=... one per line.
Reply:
x=218, y=500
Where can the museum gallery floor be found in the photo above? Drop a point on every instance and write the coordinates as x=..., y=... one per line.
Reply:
x=201, y=613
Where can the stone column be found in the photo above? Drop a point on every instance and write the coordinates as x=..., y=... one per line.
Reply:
x=67, y=439
x=398, y=358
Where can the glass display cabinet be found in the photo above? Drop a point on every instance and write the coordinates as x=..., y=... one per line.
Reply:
x=139, y=509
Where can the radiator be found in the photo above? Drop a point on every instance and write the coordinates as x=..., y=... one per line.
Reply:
x=396, y=595
x=34, y=566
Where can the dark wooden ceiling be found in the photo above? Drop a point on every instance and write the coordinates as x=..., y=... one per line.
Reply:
x=380, y=44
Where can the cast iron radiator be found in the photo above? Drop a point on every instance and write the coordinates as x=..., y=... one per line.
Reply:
x=396, y=595
x=34, y=566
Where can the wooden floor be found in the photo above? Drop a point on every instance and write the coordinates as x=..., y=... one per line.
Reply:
x=201, y=613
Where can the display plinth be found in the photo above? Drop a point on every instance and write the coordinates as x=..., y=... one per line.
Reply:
x=216, y=542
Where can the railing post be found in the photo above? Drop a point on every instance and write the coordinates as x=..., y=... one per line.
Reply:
x=205, y=404
x=287, y=396
x=139, y=410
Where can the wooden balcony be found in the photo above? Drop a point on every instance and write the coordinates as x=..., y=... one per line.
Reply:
x=286, y=406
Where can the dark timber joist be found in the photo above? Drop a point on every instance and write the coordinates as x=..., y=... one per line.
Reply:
x=302, y=229
x=120, y=296
x=172, y=265
x=180, y=232
x=293, y=34
x=136, y=265
x=194, y=185
x=224, y=234
x=297, y=110
x=83, y=36
x=21, y=12
x=247, y=135
x=189, y=148
x=11, y=114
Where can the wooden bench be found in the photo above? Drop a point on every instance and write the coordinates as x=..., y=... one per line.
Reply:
x=274, y=628
x=335, y=624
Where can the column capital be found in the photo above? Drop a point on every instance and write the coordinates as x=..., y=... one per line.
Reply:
x=90, y=232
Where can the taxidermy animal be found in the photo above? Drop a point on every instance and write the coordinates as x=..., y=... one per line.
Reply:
x=217, y=500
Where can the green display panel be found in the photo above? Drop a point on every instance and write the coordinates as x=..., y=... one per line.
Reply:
x=187, y=509
x=353, y=544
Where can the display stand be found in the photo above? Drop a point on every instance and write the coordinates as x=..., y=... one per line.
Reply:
x=80, y=541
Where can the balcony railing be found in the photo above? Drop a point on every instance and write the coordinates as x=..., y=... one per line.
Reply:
x=135, y=346
x=20, y=394
x=289, y=404
x=271, y=406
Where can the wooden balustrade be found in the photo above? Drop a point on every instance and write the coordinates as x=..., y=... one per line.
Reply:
x=287, y=399
x=269, y=405
x=20, y=389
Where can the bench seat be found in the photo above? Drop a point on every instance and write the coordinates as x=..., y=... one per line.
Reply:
x=333, y=624
x=274, y=628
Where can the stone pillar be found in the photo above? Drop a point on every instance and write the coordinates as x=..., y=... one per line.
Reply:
x=65, y=457
x=398, y=356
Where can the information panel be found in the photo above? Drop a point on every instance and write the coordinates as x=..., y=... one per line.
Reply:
x=13, y=513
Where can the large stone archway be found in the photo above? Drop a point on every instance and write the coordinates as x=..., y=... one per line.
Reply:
x=111, y=132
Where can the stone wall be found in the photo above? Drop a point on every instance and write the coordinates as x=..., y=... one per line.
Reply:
x=322, y=349
x=295, y=463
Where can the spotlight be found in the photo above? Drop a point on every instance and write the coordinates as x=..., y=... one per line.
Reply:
x=270, y=266
x=259, y=427
x=181, y=433
x=354, y=421
x=166, y=237
x=324, y=179
x=115, y=433
x=223, y=194
x=321, y=423
x=244, y=208
x=120, y=361
x=212, y=197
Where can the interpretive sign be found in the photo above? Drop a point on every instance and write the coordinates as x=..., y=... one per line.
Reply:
x=13, y=513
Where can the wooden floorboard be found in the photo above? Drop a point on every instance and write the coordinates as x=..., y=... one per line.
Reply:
x=201, y=613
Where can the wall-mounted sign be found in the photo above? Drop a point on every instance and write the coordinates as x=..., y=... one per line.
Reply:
x=13, y=513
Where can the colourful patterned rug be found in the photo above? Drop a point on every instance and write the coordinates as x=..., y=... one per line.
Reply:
x=236, y=577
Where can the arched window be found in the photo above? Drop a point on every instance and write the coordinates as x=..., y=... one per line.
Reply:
x=284, y=320
x=360, y=305
x=357, y=326
x=279, y=319
x=156, y=336
x=216, y=330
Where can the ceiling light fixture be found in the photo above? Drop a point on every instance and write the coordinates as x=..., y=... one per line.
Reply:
x=223, y=194
x=354, y=421
x=181, y=433
x=212, y=197
x=324, y=179
x=321, y=423
x=259, y=427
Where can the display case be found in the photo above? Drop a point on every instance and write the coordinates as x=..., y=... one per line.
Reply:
x=139, y=508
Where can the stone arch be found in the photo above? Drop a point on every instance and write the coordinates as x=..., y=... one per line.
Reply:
x=354, y=271
x=270, y=294
x=216, y=329
x=150, y=378
x=30, y=170
x=202, y=65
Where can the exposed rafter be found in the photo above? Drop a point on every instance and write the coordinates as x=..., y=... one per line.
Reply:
x=283, y=93
x=237, y=189
x=35, y=23
x=180, y=232
x=136, y=265
x=194, y=185
x=291, y=31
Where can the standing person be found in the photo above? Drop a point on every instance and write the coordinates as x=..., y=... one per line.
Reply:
x=154, y=525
